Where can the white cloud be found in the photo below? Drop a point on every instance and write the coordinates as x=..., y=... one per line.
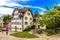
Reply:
x=58, y=5
x=11, y=3
x=7, y=3
x=21, y=0
x=4, y=10
x=24, y=0
x=35, y=7
x=42, y=13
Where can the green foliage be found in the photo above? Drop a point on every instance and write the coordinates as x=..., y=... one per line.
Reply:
x=24, y=35
x=29, y=28
x=51, y=19
x=8, y=17
x=49, y=32
x=33, y=27
x=36, y=13
x=0, y=27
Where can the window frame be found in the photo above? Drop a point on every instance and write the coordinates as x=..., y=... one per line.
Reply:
x=26, y=23
x=26, y=18
x=28, y=13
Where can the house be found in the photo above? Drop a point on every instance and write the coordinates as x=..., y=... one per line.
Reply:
x=7, y=22
x=21, y=18
x=38, y=26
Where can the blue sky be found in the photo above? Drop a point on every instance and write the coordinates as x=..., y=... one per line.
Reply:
x=7, y=6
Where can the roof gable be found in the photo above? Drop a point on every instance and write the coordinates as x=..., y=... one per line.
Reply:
x=23, y=11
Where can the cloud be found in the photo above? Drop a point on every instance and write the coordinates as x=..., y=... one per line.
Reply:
x=58, y=5
x=4, y=10
x=19, y=5
x=13, y=3
x=7, y=3
x=42, y=13
x=24, y=0
x=20, y=0
x=35, y=7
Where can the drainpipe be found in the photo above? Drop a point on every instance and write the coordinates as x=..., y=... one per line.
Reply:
x=22, y=24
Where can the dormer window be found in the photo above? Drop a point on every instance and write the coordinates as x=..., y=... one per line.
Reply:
x=28, y=13
x=16, y=11
x=20, y=13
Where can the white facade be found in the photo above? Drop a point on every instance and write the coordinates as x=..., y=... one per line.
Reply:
x=21, y=22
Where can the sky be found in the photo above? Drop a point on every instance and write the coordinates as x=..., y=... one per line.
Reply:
x=7, y=6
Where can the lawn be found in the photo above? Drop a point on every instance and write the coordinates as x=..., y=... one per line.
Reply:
x=24, y=35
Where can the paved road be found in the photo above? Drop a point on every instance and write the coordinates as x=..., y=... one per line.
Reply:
x=8, y=37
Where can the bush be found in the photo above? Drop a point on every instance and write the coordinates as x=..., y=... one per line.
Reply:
x=49, y=32
x=29, y=28
x=0, y=27
x=33, y=27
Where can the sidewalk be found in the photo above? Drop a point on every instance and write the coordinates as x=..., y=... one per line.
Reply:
x=42, y=37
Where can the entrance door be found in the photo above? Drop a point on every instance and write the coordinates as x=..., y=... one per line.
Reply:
x=15, y=28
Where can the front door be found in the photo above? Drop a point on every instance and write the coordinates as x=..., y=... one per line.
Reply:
x=15, y=28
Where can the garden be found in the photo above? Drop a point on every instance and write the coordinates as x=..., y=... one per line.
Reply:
x=25, y=34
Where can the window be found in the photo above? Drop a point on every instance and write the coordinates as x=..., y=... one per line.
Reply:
x=30, y=22
x=30, y=18
x=15, y=18
x=20, y=28
x=26, y=23
x=12, y=23
x=16, y=14
x=25, y=18
x=13, y=28
x=28, y=13
x=38, y=26
x=16, y=11
x=20, y=14
x=20, y=18
x=20, y=23
x=15, y=23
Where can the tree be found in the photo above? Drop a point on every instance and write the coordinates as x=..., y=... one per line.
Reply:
x=6, y=18
x=36, y=13
x=51, y=19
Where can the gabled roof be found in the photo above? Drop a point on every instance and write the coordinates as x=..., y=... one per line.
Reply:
x=23, y=11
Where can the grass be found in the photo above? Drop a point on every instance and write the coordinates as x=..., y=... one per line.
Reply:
x=24, y=35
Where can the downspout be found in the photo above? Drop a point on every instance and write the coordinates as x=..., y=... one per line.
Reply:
x=22, y=24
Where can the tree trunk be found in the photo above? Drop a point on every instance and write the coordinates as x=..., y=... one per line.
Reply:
x=54, y=24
